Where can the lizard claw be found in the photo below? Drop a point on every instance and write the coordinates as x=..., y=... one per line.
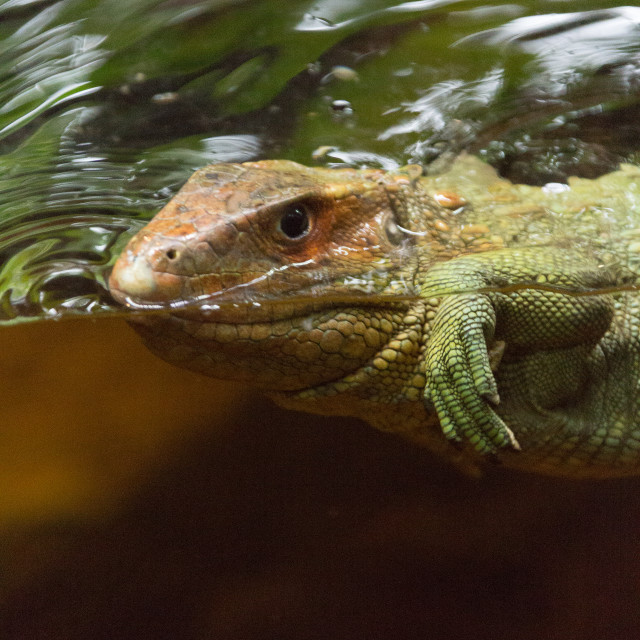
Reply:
x=460, y=383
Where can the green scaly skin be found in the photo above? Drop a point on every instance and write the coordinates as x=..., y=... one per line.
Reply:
x=478, y=318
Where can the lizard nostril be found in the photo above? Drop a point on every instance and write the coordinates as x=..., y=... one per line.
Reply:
x=172, y=253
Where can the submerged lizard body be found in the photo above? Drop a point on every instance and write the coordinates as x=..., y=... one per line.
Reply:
x=454, y=310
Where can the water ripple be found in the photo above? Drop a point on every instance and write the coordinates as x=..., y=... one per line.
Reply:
x=107, y=107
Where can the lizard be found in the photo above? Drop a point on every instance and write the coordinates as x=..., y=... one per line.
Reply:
x=481, y=319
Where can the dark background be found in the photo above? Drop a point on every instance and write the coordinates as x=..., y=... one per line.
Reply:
x=191, y=509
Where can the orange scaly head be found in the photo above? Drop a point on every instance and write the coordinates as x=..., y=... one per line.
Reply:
x=276, y=273
x=267, y=231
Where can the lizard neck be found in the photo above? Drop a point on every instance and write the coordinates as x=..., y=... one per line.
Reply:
x=296, y=353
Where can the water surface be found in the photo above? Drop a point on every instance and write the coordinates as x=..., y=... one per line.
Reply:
x=107, y=107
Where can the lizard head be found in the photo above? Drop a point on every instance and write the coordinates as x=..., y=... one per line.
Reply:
x=246, y=271
x=265, y=231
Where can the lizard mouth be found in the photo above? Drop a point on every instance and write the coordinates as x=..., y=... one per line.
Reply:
x=220, y=309
x=148, y=292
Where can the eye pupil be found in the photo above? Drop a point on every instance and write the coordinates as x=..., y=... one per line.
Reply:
x=294, y=222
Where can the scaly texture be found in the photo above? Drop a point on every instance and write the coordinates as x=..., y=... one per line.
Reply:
x=473, y=316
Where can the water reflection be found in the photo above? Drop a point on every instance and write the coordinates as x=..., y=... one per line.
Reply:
x=45, y=65
x=106, y=108
x=445, y=101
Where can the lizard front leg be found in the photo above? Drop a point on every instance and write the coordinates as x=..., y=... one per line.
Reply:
x=460, y=383
x=501, y=296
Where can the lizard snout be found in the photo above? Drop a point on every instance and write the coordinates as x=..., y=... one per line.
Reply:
x=142, y=278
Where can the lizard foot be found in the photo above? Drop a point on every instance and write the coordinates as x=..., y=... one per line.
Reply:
x=460, y=383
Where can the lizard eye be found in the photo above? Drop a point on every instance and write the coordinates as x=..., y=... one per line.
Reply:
x=294, y=221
